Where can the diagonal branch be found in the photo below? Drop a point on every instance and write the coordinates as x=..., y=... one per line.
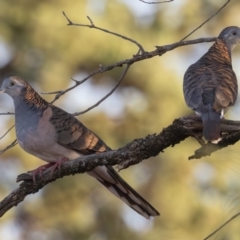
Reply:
x=223, y=225
x=106, y=96
x=138, y=57
x=132, y=153
x=209, y=148
x=223, y=6
x=7, y=132
x=14, y=143
x=92, y=25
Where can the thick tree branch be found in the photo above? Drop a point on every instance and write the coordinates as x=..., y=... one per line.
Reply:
x=133, y=153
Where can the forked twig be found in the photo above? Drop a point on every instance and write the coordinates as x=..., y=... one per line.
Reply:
x=92, y=25
x=136, y=58
x=106, y=96
x=77, y=83
x=14, y=143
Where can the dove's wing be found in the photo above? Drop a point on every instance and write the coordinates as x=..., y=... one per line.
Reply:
x=72, y=134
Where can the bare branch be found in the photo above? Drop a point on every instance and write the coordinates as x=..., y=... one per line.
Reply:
x=106, y=96
x=7, y=113
x=136, y=58
x=54, y=92
x=223, y=6
x=77, y=83
x=218, y=229
x=92, y=25
x=163, y=49
x=132, y=153
x=156, y=2
x=209, y=148
x=14, y=143
x=7, y=132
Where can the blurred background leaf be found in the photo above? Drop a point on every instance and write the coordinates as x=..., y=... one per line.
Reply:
x=193, y=197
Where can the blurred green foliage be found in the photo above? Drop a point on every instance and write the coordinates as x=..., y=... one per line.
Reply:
x=193, y=197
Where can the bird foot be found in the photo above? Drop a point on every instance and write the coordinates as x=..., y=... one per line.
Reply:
x=54, y=165
x=58, y=164
x=40, y=170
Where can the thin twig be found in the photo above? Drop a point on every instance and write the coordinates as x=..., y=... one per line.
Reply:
x=7, y=113
x=92, y=25
x=206, y=20
x=169, y=47
x=136, y=58
x=77, y=83
x=7, y=132
x=229, y=220
x=14, y=143
x=59, y=93
x=55, y=92
x=156, y=2
x=106, y=96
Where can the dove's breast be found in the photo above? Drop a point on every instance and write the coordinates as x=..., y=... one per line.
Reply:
x=38, y=137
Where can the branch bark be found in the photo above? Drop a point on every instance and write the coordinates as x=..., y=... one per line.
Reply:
x=132, y=153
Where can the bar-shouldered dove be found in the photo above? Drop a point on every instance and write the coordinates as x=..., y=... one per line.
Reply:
x=53, y=135
x=210, y=85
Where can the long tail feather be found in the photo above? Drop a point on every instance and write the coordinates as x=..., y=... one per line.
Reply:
x=211, y=125
x=108, y=177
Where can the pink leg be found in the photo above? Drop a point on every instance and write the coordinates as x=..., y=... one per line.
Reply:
x=40, y=170
x=54, y=165
x=58, y=164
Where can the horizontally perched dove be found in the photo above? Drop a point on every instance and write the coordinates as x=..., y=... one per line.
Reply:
x=54, y=135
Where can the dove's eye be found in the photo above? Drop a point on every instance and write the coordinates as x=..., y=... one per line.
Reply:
x=12, y=84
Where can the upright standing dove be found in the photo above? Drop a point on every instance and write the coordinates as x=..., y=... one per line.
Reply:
x=53, y=135
x=210, y=85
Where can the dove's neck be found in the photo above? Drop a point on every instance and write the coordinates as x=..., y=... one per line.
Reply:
x=29, y=105
x=220, y=53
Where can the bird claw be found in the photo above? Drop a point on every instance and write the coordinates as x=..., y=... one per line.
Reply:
x=40, y=170
x=58, y=164
x=55, y=165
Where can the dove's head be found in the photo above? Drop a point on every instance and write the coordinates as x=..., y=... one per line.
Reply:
x=231, y=35
x=13, y=86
